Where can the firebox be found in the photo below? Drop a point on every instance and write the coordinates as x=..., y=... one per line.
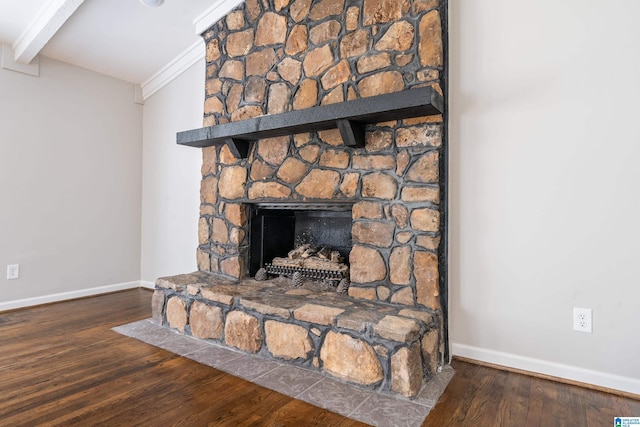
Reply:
x=278, y=228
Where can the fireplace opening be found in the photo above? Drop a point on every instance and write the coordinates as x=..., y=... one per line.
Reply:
x=277, y=229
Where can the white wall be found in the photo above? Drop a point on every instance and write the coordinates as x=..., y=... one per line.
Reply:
x=544, y=178
x=171, y=177
x=70, y=182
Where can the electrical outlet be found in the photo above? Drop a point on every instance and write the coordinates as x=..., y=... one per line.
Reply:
x=582, y=319
x=13, y=271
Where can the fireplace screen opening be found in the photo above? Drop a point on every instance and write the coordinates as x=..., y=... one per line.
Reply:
x=312, y=240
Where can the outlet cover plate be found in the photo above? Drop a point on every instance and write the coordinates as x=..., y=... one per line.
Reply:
x=13, y=271
x=582, y=320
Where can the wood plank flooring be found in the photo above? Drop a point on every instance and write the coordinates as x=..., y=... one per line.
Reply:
x=60, y=364
x=483, y=396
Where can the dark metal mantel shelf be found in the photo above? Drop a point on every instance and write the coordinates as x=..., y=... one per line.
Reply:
x=348, y=117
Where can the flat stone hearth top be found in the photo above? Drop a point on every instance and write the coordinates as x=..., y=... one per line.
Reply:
x=277, y=298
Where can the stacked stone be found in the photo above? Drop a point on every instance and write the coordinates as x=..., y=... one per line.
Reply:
x=269, y=57
x=370, y=344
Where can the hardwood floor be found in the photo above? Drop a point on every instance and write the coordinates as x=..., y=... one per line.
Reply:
x=60, y=364
x=482, y=396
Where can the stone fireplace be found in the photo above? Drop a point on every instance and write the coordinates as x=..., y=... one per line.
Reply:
x=271, y=57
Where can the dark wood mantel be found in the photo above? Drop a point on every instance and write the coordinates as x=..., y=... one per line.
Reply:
x=349, y=117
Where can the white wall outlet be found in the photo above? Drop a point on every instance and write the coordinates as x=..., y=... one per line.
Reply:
x=582, y=319
x=13, y=271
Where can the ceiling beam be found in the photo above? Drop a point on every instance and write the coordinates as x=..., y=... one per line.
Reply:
x=42, y=28
x=9, y=63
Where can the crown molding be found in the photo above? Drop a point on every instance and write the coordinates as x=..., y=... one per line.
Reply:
x=173, y=69
x=217, y=11
x=44, y=26
x=192, y=54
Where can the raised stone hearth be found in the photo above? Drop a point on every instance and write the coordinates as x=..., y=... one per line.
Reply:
x=372, y=344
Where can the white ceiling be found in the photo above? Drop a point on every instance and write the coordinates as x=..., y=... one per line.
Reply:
x=120, y=38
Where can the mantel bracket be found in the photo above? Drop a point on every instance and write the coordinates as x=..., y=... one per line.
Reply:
x=240, y=148
x=352, y=133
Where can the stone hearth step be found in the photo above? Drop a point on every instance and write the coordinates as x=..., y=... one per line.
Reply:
x=376, y=345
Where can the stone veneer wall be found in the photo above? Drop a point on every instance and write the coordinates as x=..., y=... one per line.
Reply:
x=272, y=56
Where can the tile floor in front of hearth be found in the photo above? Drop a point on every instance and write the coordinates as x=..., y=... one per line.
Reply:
x=371, y=407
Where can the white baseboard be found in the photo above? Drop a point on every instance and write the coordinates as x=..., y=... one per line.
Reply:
x=602, y=379
x=147, y=285
x=45, y=299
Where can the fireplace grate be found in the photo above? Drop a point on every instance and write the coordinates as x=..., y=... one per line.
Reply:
x=309, y=273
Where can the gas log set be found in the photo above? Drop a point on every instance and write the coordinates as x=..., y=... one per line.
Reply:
x=321, y=268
